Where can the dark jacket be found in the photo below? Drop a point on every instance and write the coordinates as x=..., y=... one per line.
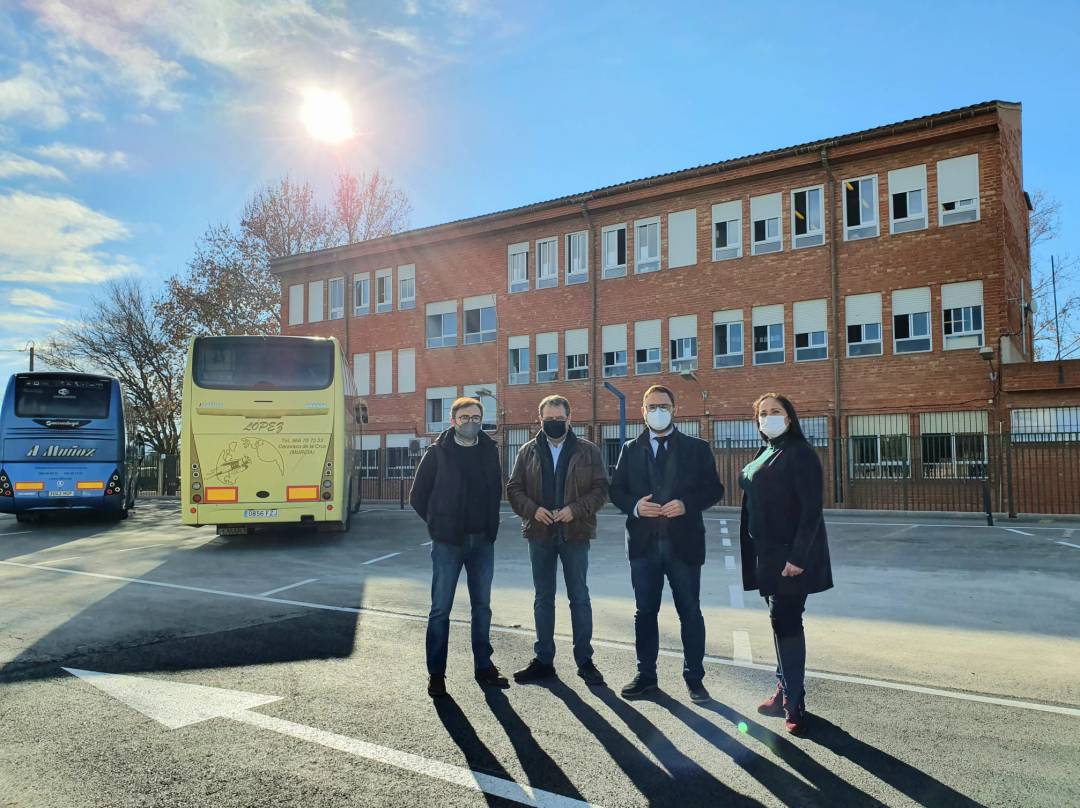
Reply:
x=689, y=475
x=787, y=503
x=438, y=491
x=585, y=491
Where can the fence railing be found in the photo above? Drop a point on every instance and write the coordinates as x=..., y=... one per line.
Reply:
x=159, y=474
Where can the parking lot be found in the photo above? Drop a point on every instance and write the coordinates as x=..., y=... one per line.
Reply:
x=943, y=672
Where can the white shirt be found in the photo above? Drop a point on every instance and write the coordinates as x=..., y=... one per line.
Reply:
x=556, y=450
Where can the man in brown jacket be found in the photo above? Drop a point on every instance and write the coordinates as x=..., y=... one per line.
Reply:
x=558, y=484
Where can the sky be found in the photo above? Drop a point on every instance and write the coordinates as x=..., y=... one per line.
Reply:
x=127, y=127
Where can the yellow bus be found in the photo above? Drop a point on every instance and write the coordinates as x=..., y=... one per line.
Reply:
x=267, y=434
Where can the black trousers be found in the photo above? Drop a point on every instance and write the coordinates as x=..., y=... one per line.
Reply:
x=785, y=614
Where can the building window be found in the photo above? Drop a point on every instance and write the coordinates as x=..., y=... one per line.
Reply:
x=768, y=324
x=614, y=241
x=547, y=263
x=361, y=295
x=1044, y=424
x=613, y=345
x=965, y=321
x=518, y=267
x=646, y=347
x=907, y=199
x=485, y=394
x=577, y=258
x=647, y=245
x=816, y=430
x=958, y=190
x=369, y=464
x=727, y=341
x=863, y=324
x=384, y=291
x=962, y=314
x=577, y=353
x=547, y=357
x=682, y=231
x=519, y=362
x=736, y=434
x=860, y=208
x=615, y=364
x=811, y=335
x=406, y=287
x=953, y=445
x=766, y=233
x=337, y=298
x=911, y=320
x=296, y=304
x=401, y=462
x=441, y=328
x=807, y=222
x=682, y=343
x=315, y=302
x=880, y=457
x=480, y=325
x=727, y=230
x=438, y=409
x=646, y=360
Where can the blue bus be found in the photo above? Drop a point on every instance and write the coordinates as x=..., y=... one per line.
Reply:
x=63, y=446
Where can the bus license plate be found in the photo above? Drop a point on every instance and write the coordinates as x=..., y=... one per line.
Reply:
x=61, y=493
x=260, y=513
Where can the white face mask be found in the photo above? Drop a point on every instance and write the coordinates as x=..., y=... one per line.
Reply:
x=658, y=420
x=772, y=425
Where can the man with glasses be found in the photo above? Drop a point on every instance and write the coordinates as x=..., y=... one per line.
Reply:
x=663, y=480
x=558, y=484
x=457, y=491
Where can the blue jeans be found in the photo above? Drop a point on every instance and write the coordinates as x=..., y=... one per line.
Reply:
x=545, y=555
x=647, y=576
x=477, y=555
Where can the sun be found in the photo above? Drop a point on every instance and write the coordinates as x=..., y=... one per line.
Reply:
x=326, y=115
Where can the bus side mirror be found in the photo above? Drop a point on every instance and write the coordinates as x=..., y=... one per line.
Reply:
x=361, y=414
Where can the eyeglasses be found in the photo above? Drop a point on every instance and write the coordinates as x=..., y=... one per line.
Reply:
x=658, y=407
x=469, y=419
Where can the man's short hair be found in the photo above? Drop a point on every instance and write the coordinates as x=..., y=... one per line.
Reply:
x=553, y=401
x=465, y=401
x=658, y=388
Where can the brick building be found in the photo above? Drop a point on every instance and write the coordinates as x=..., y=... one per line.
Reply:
x=865, y=276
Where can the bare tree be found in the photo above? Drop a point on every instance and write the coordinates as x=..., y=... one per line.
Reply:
x=284, y=219
x=1044, y=225
x=366, y=207
x=123, y=334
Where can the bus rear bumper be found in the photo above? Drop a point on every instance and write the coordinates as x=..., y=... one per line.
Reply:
x=291, y=513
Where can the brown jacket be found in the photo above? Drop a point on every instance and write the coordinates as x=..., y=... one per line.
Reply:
x=585, y=493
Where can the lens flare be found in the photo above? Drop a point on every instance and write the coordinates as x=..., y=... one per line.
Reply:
x=326, y=115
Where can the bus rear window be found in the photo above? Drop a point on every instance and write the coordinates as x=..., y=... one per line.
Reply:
x=60, y=397
x=253, y=363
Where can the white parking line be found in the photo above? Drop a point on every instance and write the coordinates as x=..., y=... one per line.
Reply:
x=729, y=562
x=735, y=594
x=15, y=533
x=740, y=641
x=288, y=586
x=144, y=547
x=1021, y=532
x=625, y=646
x=58, y=560
x=380, y=558
x=726, y=542
x=426, y=544
x=1069, y=544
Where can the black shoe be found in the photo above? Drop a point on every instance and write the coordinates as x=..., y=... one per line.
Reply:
x=590, y=674
x=641, y=686
x=490, y=677
x=436, y=686
x=534, y=672
x=698, y=693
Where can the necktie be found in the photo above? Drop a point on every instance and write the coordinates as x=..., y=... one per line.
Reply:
x=661, y=449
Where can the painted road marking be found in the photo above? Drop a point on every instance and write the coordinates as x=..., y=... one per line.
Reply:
x=1069, y=544
x=15, y=533
x=1068, y=533
x=729, y=562
x=521, y=632
x=426, y=544
x=144, y=547
x=726, y=542
x=1021, y=532
x=740, y=641
x=735, y=594
x=178, y=704
x=381, y=558
x=288, y=586
x=58, y=560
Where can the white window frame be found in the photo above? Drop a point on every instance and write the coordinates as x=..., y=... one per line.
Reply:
x=445, y=403
x=967, y=313
x=650, y=263
x=522, y=376
x=717, y=357
x=863, y=340
x=854, y=232
x=551, y=366
x=296, y=313
x=550, y=278
x=520, y=283
x=364, y=279
x=909, y=223
x=484, y=334
x=613, y=270
x=720, y=215
x=445, y=339
x=811, y=238
x=336, y=312
x=901, y=350
x=683, y=354
x=765, y=247
x=581, y=275
x=406, y=275
x=770, y=333
x=384, y=306
x=576, y=363
x=316, y=307
x=961, y=205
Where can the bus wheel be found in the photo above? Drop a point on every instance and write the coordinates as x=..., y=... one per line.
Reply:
x=24, y=517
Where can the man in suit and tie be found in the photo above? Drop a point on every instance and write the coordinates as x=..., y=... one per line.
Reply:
x=663, y=481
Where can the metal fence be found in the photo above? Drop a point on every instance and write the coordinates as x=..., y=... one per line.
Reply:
x=159, y=474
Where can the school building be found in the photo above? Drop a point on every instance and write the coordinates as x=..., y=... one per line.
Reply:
x=880, y=279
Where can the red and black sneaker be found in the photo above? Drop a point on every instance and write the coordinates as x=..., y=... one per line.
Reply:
x=774, y=705
x=795, y=717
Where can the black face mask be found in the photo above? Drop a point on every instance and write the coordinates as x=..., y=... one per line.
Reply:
x=555, y=429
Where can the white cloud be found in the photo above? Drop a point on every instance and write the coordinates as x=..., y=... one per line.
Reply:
x=31, y=96
x=22, y=319
x=14, y=165
x=56, y=240
x=404, y=37
x=411, y=7
x=32, y=299
x=83, y=157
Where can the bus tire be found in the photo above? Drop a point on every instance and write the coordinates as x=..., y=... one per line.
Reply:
x=24, y=517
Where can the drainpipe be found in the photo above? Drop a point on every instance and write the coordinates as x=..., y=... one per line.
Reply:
x=596, y=359
x=838, y=455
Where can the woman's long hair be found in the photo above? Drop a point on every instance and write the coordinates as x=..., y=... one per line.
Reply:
x=794, y=427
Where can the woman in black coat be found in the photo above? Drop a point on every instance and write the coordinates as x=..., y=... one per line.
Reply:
x=785, y=552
